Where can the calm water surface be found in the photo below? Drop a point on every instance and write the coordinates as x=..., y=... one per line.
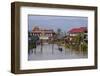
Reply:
x=51, y=52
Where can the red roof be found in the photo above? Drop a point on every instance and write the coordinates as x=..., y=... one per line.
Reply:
x=39, y=30
x=78, y=30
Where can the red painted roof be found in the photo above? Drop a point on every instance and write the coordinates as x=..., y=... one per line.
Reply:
x=78, y=30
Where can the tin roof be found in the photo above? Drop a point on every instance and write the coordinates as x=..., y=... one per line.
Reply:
x=78, y=30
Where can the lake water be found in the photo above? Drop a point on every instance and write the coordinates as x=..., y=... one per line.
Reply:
x=51, y=52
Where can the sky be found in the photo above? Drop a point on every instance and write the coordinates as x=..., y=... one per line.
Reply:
x=65, y=23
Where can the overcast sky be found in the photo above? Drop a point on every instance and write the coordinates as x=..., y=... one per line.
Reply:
x=65, y=23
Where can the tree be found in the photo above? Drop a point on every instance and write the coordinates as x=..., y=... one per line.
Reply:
x=58, y=31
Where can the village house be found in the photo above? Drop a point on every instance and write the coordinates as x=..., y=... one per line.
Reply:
x=44, y=34
x=76, y=31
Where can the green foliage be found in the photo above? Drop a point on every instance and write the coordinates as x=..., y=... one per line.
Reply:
x=31, y=46
x=78, y=43
x=84, y=46
x=67, y=46
x=32, y=42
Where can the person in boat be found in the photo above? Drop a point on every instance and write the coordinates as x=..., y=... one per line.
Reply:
x=60, y=48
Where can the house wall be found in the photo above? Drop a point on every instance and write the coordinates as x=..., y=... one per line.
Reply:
x=72, y=34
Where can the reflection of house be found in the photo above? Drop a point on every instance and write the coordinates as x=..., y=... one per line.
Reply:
x=76, y=31
x=44, y=34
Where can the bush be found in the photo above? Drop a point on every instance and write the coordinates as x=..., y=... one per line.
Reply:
x=84, y=46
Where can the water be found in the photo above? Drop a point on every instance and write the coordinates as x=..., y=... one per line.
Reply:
x=51, y=52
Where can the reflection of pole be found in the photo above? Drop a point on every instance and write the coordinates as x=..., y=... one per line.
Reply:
x=52, y=48
x=35, y=48
x=58, y=44
x=41, y=46
x=65, y=50
x=35, y=51
x=65, y=46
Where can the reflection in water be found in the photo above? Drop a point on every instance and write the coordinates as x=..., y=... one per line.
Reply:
x=53, y=51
